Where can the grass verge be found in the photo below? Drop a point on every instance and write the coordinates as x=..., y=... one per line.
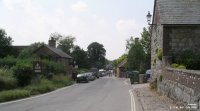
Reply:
x=13, y=94
x=37, y=87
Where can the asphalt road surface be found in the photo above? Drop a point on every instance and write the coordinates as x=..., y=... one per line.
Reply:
x=104, y=94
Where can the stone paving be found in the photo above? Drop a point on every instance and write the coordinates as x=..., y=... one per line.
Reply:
x=150, y=100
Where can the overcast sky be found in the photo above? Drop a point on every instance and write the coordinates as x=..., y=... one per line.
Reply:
x=109, y=22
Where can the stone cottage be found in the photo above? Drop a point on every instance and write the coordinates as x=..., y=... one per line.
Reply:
x=121, y=69
x=175, y=27
x=51, y=52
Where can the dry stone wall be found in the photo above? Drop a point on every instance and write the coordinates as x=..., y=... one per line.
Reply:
x=182, y=86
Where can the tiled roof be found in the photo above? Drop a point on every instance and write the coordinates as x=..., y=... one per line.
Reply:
x=179, y=11
x=59, y=52
x=122, y=64
x=56, y=51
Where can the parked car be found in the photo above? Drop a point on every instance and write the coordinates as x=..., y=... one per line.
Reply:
x=95, y=72
x=102, y=72
x=82, y=78
x=91, y=76
x=148, y=73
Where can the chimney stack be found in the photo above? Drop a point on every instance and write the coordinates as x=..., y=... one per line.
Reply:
x=52, y=42
x=136, y=40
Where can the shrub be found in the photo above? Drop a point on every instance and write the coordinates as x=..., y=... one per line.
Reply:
x=160, y=78
x=159, y=53
x=174, y=65
x=41, y=86
x=8, y=62
x=23, y=72
x=52, y=67
x=7, y=81
x=62, y=80
x=153, y=85
x=188, y=58
x=181, y=67
x=13, y=94
x=45, y=85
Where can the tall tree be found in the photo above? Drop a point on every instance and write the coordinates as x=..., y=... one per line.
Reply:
x=146, y=44
x=129, y=43
x=80, y=56
x=136, y=57
x=119, y=60
x=96, y=55
x=56, y=35
x=29, y=51
x=66, y=43
x=5, y=43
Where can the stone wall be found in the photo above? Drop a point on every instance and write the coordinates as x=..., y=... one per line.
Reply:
x=182, y=86
x=156, y=43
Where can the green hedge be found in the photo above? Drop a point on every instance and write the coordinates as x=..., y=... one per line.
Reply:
x=13, y=94
x=8, y=62
x=188, y=58
x=62, y=80
x=41, y=86
x=52, y=67
x=7, y=81
x=45, y=85
x=159, y=53
x=23, y=72
x=36, y=87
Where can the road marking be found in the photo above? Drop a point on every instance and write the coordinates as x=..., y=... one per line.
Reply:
x=125, y=82
x=14, y=101
x=133, y=108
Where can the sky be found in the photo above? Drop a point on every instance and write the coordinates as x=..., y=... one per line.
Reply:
x=108, y=22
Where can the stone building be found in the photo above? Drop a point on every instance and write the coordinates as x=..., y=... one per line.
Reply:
x=52, y=53
x=121, y=69
x=175, y=27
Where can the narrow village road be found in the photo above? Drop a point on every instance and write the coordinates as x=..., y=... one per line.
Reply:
x=104, y=94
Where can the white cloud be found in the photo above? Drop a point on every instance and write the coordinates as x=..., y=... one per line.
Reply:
x=79, y=7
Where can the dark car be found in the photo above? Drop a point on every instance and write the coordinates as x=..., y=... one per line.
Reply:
x=82, y=78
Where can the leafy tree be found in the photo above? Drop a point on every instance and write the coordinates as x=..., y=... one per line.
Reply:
x=119, y=60
x=146, y=44
x=5, y=43
x=136, y=57
x=96, y=55
x=146, y=40
x=56, y=35
x=66, y=43
x=129, y=43
x=29, y=51
x=80, y=56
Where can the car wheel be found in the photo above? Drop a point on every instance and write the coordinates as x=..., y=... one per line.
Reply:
x=87, y=81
